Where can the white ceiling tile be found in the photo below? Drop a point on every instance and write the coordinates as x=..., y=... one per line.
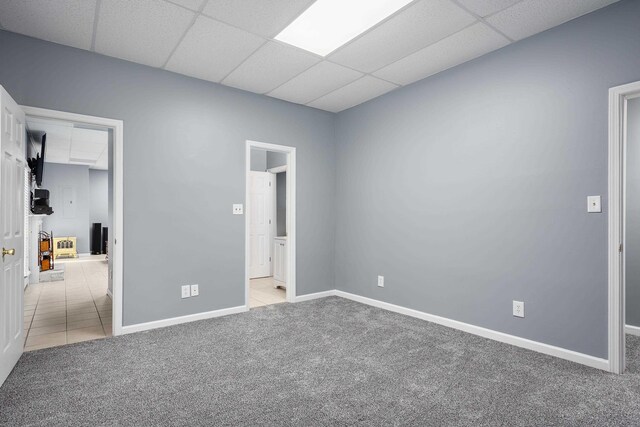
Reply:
x=264, y=17
x=57, y=142
x=355, y=93
x=80, y=135
x=58, y=133
x=211, y=50
x=486, y=7
x=421, y=24
x=318, y=80
x=533, y=16
x=456, y=49
x=269, y=67
x=143, y=31
x=68, y=22
x=79, y=156
x=53, y=155
x=194, y=5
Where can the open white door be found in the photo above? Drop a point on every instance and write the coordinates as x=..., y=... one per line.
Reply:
x=260, y=211
x=12, y=164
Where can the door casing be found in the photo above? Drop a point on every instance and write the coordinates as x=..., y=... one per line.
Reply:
x=291, y=215
x=117, y=126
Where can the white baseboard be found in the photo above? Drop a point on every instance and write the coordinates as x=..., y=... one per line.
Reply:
x=539, y=347
x=550, y=350
x=182, y=319
x=632, y=330
x=308, y=297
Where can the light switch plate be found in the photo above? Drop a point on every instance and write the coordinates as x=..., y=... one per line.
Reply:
x=186, y=291
x=593, y=204
x=195, y=291
x=237, y=209
x=518, y=308
x=381, y=281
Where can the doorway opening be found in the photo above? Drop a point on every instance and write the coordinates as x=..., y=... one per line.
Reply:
x=269, y=224
x=73, y=229
x=624, y=223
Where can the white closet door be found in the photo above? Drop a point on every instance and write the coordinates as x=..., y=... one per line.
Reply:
x=260, y=200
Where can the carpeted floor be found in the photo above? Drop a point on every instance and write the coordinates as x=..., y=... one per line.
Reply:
x=324, y=362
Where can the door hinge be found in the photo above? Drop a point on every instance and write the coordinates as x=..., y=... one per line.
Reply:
x=620, y=248
x=269, y=183
x=269, y=259
x=269, y=221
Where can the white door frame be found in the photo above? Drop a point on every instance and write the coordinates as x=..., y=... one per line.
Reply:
x=291, y=215
x=118, y=199
x=618, y=98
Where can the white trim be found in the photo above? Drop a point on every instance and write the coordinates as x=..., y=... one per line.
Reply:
x=139, y=327
x=291, y=215
x=632, y=330
x=309, y=297
x=110, y=294
x=550, y=350
x=618, y=97
x=278, y=169
x=118, y=196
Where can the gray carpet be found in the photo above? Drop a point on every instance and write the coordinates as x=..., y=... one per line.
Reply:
x=323, y=362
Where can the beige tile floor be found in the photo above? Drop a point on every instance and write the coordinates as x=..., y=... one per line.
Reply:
x=262, y=292
x=76, y=309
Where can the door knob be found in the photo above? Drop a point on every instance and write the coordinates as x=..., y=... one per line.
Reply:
x=8, y=252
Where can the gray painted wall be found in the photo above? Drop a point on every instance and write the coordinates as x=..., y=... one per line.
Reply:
x=258, y=160
x=275, y=159
x=98, y=196
x=632, y=253
x=73, y=219
x=261, y=160
x=184, y=154
x=468, y=190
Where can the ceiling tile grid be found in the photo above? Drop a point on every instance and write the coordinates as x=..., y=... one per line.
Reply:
x=362, y=90
x=269, y=67
x=211, y=49
x=419, y=25
x=232, y=41
x=463, y=46
x=263, y=17
x=318, y=80
x=68, y=22
x=143, y=31
x=484, y=8
x=68, y=143
x=530, y=17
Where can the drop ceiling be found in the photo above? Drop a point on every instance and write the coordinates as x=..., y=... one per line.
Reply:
x=232, y=41
x=69, y=143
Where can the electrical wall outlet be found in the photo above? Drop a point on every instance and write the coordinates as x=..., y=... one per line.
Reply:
x=518, y=309
x=237, y=209
x=186, y=291
x=381, y=281
x=194, y=291
x=594, y=204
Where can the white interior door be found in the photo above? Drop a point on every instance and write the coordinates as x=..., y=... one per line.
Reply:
x=12, y=164
x=260, y=212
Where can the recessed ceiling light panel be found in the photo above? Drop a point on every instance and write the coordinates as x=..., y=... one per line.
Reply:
x=328, y=24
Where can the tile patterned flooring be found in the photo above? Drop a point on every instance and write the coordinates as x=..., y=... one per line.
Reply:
x=76, y=309
x=262, y=292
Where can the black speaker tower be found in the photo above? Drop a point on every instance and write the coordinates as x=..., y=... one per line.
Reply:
x=96, y=238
